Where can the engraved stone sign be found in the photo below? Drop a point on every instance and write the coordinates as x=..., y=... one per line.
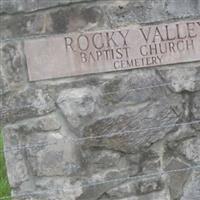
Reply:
x=104, y=51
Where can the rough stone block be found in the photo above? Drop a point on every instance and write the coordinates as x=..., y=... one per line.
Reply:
x=131, y=135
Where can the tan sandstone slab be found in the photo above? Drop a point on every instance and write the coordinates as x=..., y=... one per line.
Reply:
x=113, y=50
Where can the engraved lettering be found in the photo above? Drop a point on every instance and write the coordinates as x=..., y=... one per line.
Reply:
x=83, y=57
x=119, y=53
x=83, y=42
x=124, y=37
x=96, y=38
x=146, y=35
x=68, y=43
x=168, y=34
x=180, y=46
x=109, y=38
x=158, y=35
x=190, y=45
x=126, y=48
x=191, y=30
x=179, y=32
x=143, y=50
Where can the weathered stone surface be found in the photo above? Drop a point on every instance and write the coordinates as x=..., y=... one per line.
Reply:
x=124, y=132
x=196, y=107
x=183, y=8
x=132, y=188
x=128, y=12
x=177, y=178
x=191, y=149
x=78, y=105
x=178, y=78
x=164, y=195
x=130, y=135
x=133, y=122
x=109, y=13
x=192, y=188
x=18, y=107
x=15, y=6
x=171, y=7
x=63, y=20
x=12, y=64
x=21, y=174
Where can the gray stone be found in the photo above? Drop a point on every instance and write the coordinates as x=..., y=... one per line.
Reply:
x=124, y=132
x=78, y=105
x=150, y=162
x=66, y=19
x=124, y=190
x=191, y=149
x=12, y=66
x=131, y=12
x=18, y=107
x=149, y=186
x=114, y=136
x=182, y=8
x=196, y=107
x=42, y=124
x=15, y=6
x=164, y=195
x=17, y=173
x=192, y=188
x=178, y=175
x=185, y=78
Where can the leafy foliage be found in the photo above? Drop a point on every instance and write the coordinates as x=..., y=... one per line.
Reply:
x=4, y=185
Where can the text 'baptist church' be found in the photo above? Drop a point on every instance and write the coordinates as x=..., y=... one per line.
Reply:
x=103, y=51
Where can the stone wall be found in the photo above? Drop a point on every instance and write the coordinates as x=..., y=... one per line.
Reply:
x=132, y=135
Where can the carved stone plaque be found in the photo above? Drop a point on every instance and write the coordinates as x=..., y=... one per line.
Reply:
x=112, y=50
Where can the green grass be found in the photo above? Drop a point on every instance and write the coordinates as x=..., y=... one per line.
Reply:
x=4, y=185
